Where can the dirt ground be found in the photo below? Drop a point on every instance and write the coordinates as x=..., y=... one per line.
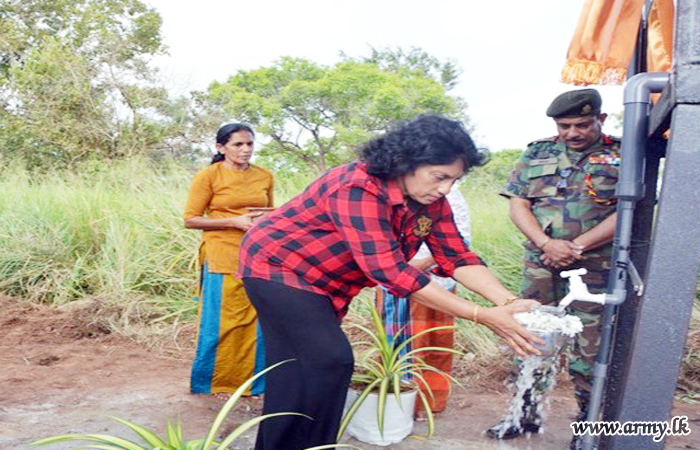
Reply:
x=61, y=374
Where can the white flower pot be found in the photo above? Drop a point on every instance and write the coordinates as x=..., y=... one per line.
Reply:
x=398, y=420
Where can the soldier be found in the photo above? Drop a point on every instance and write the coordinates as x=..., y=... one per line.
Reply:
x=561, y=197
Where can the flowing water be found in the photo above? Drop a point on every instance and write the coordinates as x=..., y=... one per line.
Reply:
x=538, y=373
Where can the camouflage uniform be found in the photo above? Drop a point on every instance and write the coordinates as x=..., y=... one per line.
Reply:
x=571, y=192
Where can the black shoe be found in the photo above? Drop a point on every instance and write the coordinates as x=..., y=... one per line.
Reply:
x=583, y=398
x=508, y=430
x=576, y=443
x=529, y=423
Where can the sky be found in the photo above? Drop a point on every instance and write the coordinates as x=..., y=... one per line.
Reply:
x=510, y=52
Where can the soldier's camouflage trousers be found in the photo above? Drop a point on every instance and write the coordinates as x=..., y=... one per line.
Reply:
x=547, y=286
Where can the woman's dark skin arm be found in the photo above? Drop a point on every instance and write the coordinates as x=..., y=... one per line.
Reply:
x=499, y=319
x=242, y=222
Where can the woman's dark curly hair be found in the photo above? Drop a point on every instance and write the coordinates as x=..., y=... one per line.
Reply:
x=427, y=140
x=224, y=134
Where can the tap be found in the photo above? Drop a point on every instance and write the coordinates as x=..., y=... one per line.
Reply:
x=578, y=291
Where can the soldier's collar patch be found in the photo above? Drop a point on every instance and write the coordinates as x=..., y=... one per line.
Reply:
x=425, y=224
x=610, y=140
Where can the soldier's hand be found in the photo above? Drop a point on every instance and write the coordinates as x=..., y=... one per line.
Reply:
x=560, y=253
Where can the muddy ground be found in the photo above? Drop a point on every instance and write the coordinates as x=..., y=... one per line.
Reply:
x=60, y=373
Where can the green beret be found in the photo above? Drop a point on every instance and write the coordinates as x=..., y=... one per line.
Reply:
x=582, y=102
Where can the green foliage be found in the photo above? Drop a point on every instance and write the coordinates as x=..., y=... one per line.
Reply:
x=616, y=121
x=67, y=117
x=382, y=368
x=113, y=31
x=495, y=238
x=315, y=116
x=492, y=177
x=414, y=61
x=75, y=83
x=114, y=230
x=689, y=380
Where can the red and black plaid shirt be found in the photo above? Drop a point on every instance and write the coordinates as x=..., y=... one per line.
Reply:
x=349, y=230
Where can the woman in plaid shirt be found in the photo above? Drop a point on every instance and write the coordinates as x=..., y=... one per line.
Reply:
x=357, y=226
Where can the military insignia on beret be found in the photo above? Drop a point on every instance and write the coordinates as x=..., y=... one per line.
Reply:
x=582, y=102
x=425, y=224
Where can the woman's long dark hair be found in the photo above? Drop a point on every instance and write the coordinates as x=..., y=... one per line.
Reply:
x=427, y=140
x=224, y=134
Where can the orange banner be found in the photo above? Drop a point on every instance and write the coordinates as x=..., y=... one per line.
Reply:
x=660, y=36
x=605, y=38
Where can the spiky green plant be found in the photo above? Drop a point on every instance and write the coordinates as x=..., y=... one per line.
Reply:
x=174, y=439
x=383, y=368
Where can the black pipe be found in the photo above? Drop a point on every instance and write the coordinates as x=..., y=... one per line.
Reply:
x=629, y=190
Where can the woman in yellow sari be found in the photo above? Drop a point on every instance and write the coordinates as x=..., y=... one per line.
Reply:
x=225, y=199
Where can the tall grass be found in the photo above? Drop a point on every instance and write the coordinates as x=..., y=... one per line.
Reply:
x=114, y=232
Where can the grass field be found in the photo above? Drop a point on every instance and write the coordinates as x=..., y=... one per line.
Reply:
x=115, y=233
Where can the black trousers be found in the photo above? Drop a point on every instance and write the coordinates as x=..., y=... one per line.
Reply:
x=302, y=326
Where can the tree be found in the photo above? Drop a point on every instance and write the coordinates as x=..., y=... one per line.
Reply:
x=416, y=61
x=75, y=81
x=315, y=116
x=59, y=114
x=121, y=29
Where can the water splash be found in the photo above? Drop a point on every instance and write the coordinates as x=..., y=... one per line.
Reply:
x=538, y=373
x=541, y=320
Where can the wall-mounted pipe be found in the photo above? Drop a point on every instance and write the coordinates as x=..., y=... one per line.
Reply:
x=636, y=118
x=630, y=185
x=630, y=189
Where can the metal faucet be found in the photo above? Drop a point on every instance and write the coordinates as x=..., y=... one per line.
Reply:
x=578, y=291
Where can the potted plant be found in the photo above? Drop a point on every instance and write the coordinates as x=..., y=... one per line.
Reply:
x=174, y=439
x=372, y=414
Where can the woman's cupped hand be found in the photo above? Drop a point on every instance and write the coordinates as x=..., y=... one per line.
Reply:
x=500, y=320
